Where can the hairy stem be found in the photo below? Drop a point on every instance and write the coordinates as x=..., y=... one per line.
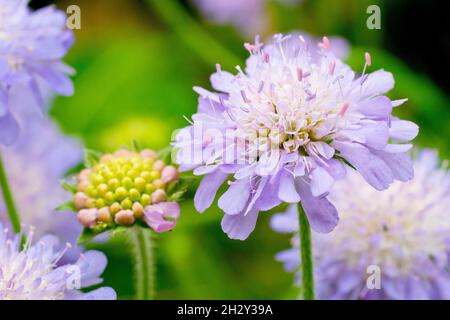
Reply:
x=8, y=199
x=306, y=255
x=144, y=264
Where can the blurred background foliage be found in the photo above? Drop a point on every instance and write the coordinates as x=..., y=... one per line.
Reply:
x=137, y=62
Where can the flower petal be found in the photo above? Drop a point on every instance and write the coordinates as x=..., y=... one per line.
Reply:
x=403, y=131
x=287, y=191
x=322, y=215
x=235, y=199
x=9, y=129
x=321, y=181
x=239, y=226
x=207, y=190
x=373, y=169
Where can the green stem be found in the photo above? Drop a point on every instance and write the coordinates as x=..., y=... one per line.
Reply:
x=306, y=255
x=192, y=34
x=8, y=199
x=144, y=264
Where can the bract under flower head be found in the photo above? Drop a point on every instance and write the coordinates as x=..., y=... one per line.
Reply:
x=125, y=187
x=285, y=127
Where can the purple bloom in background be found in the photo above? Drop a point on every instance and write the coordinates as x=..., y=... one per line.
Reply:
x=404, y=232
x=283, y=129
x=32, y=273
x=35, y=164
x=32, y=44
x=249, y=16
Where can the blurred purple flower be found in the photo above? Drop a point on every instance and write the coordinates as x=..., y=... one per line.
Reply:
x=32, y=273
x=404, y=231
x=248, y=16
x=32, y=44
x=35, y=164
x=284, y=126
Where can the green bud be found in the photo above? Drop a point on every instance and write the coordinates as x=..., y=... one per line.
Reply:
x=113, y=183
x=102, y=189
x=126, y=204
x=139, y=183
x=121, y=193
x=134, y=195
x=146, y=200
x=127, y=183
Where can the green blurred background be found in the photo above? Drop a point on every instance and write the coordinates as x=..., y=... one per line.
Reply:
x=137, y=62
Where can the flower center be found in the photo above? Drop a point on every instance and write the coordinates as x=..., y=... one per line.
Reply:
x=122, y=181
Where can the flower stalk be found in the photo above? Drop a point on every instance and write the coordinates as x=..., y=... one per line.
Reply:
x=11, y=208
x=306, y=255
x=144, y=262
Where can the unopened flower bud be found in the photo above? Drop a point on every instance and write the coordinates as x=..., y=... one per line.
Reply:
x=147, y=153
x=104, y=215
x=121, y=185
x=124, y=217
x=169, y=174
x=138, y=210
x=159, y=184
x=80, y=200
x=88, y=217
x=158, y=196
x=115, y=207
x=159, y=165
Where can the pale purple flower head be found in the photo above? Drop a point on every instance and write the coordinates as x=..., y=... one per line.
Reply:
x=32, y=273
x=281, y=130
x=35, y=165
x=404, y=233
x=32, y=44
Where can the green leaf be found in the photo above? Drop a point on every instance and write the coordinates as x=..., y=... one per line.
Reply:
x=91, y=157
x=68, y=187
x=66, y=206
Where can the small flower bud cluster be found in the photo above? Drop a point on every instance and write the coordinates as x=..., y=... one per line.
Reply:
x=120, y=186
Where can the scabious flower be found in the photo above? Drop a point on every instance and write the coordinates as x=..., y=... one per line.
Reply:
x=248, y=16
x=283, y=129
x=35, y=164
x=32, y=44
x=404, y=231
x=32, y=273
x=127, y=187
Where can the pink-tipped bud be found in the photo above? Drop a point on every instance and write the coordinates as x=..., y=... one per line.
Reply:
x=159, y=165
x=104, y=215
x=122, y=153
x=169, y=174
x=158, y=196
x=125, y=217
x=83, y=175
x=80, y=200
x=138, y=210
x=368, y=59
x=148, y=153
x=88, y=217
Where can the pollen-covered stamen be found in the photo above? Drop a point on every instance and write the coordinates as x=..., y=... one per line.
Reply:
x=120, y=183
